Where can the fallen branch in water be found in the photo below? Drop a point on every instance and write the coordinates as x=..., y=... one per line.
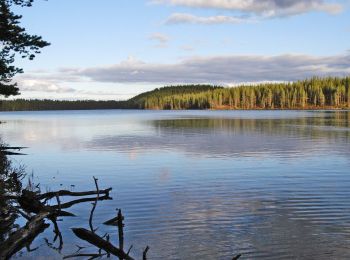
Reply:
x=4, y=150
x=31, y=202
x=78, y=201
x=24, y=235
x=52, y=194
x=144, y=254
x=94, y=206
x=99, y=242
x=12, y=148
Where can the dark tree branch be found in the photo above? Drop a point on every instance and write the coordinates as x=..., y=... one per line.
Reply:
x=94, y=206
x=144, y=255
x=23, y=236
x=120, y=229
x=74, y=202
x=99, y=242
x=50, y=195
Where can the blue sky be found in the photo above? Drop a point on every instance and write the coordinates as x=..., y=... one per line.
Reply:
x=112, y=49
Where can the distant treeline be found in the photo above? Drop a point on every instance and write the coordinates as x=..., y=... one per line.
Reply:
x=312, y=93
x=47, y=104
x=315, y=93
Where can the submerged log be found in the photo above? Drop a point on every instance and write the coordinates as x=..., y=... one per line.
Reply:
x=99, y=242
x=4, y=150
x=50, y=195
x=24, y=235
x=12, y=153
x=29, y=202
x=78, y=201
x=12, y=148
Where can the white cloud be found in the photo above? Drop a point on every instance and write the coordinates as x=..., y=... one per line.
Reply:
x=216, y=70
x=40, y=85
x=178, y=18
x=161, y=39
x=267, y=8
x=220, y=69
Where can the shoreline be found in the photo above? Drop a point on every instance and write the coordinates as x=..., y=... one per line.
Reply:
x=211, y=109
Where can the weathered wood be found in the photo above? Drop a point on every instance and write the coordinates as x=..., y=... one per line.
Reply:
x=50, y=195
x=112, y=222
x=78, y=201
x=120, y=229
x=29, y=202
x=12, y=153
x=144, y=254
x=24, y=235
x=12, y=147
x=99, y=242
x=236, y=257
x=94, y=205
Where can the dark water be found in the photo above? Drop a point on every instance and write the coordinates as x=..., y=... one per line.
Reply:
x=199, y=184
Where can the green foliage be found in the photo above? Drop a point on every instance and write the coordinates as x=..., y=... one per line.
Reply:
x=162, y=98
x=315, y=93
x=36, y=104
x=312, y=93
x=14, y=40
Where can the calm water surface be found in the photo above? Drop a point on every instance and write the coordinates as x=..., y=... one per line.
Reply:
x=198, y=184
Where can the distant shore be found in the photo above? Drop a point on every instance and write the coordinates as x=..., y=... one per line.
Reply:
x=331, y=93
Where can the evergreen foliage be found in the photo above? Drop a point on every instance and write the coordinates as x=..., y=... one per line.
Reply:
x=331, y=92
x=14, y=40
x=314, y=93
x=46, y=104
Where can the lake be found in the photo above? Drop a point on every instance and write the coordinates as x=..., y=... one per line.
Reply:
x=197, y=184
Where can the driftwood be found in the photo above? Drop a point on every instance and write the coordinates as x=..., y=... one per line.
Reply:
x=101, y=243
x=4, y=150
x=144, y=254
x=12, y=147
x=24, y=236
x=12, y=153
x=94, y=205
x=32, y=203
x=78, y=201
x=120, y=229
x=104, y=244
x=50, y=195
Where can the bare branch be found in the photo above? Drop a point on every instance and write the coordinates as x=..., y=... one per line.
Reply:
x=99, y=242
x=144, y=255
x=50, y=195
x=94, y=206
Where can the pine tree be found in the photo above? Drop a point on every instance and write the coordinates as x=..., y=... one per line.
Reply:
x=14, y=39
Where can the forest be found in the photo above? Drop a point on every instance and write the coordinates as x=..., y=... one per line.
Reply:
x=47, y=104
x=314, y=93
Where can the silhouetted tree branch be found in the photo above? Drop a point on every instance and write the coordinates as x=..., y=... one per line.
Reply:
x=14, y=40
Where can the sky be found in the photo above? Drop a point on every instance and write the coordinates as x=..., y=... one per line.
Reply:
x=116, y=49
